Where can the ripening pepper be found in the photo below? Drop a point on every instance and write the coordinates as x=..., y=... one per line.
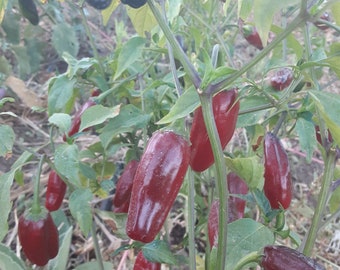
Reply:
x=134, y=3
x=142, y=263
x=225, y=109
x=277, y=177
x=319, y=24
x=250, y=34
x=38, y=236
x=99, y=4
x=55, y=192
x=75, y=125
x=121, y=200
x=284, y=258
x=157, y=181
x=281, y=79
x=236, y=185
x=236, y=206
x=29, y=11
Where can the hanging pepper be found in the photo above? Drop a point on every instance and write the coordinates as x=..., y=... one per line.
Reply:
x=55, y=192
x=157, y=181
x=225, y=109
x=142, y=263
x=121, y=200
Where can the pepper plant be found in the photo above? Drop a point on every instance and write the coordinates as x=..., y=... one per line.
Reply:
x=195, y=111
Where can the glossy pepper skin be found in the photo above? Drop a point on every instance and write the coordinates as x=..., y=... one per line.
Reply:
x=225, y=108
x=320, y=25
x=236, y=185
x=284, y=258
x=157, y=181
x=281, y=79
x=38, y=238
x=250, y=34
x=277, y=178
x=134, y=3
x=75, y=125
x=142, y=263
x=29, y=11
x=121, y=200
x=55, y=192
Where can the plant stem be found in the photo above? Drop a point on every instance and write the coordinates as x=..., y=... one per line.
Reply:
x=249, y=258
x=323, y=196
x=191, y=220
x=179, y=53
x=302, y=17
x=221, y=175
x=96, y=246
x=94, y=48
x=36, y=208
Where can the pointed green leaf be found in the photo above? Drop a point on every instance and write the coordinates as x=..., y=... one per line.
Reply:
x=328, y=105
x=75, y=65
x=61, y=95
x=185, y=104
x=142, y=19
x=158, y=251
x=65, y=43
x=129, y=119
x=250, y=169
x=61, y=120
x=129, y=54
x=9, y=260
x=106, y=13
x=7, y=140
x=66, y=161
x=96, y=115
x=306, y=131
x=6, y=181
x=94, y=265
x=81, y=210
x=246, y=236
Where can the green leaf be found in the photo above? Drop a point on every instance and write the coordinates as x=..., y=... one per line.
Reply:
x=158, y=251
x=253, y=117
x=12, y=27
x=3, y=5
x=61, y=95
x=106, y=13
x=185, y=104
x=9, y=260
x=94, y=265
x=249, y=169
x=264, y=11
x=246, y=236
x=334, y=58
x=336, y=12
x=61, y=120
x=142, y=19
x=23, y=60
x=129, y=119
x=66, y=161
x=65, y=43
x=75, y=65
x=118, y=222
x=244, y=8
x=328, y=105
x=129, y=54
x=7, y=140
x=306, y=132
x=96, y=115
x=60, y=262
x=81, y=210
x=6, y=181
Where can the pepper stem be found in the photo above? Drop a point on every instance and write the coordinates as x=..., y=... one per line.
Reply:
x=36, y=208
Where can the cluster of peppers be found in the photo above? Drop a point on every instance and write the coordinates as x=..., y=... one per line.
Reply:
x=37, y=232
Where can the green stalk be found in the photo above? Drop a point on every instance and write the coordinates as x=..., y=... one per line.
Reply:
x=36, y=208
x=178, y=52
x=96, y=246
x=93, y=47
x=221, y=175
x=249, y=258
x=191, y=220
x=301, y=18
x=322, y=200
